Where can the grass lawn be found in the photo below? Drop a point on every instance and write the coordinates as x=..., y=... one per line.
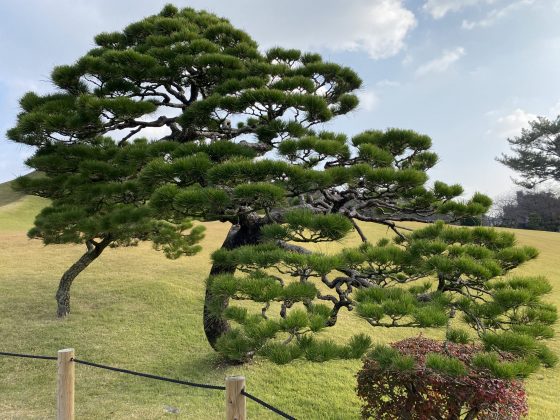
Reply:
x=135, y=309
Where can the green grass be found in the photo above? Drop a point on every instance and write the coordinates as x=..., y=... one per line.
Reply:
x=135, y=309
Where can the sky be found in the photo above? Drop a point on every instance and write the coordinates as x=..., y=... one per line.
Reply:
x=469, y=73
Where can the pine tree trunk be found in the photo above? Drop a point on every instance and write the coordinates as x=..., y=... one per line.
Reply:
x=63, y=292
x=247, y=233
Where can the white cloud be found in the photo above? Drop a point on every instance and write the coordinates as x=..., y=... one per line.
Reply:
x=377, y=27
x=388, y=83
x=442, y=63
x=439, y=8
x=381, y=30
x=368, y=100
x=511, y=125
x=496, y=14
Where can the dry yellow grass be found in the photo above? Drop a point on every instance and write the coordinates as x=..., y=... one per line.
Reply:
x=136, y=309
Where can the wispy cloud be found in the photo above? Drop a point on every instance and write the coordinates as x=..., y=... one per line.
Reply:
x=388, y=83
x=442, y=63
x=497, y=14
x=439, y=8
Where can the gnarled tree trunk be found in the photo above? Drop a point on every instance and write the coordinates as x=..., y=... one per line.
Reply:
x=94, y=250
x=248, y=232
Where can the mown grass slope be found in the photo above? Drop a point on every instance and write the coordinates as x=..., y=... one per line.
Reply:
x=7, y=194
x=135, y=309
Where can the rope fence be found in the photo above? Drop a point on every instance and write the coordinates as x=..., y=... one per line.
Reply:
x=147, y=375
x=234, y=386
x=30, y=356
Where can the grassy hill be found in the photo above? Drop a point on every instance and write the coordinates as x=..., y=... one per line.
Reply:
x=17, y=210
x=135, y=309
x=7, y=194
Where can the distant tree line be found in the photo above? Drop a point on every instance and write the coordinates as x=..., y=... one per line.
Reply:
x=536, y=157
x=529, y=210
x=521, y=210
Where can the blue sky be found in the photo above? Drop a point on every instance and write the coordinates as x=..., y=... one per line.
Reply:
x=469, y=73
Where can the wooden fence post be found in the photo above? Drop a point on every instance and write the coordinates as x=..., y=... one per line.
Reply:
x=235, y=400
x=65, y=385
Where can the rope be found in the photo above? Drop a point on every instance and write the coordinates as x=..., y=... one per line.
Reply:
x=159, y=378
x=147, y=375
x=30, y=356
x=267, y=405
x=194, y=384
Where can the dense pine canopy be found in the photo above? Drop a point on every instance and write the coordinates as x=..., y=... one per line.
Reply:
x=180, y=116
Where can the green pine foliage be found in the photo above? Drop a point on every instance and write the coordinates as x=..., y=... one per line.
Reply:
x=534, y=156
x=445, y=365
x=96, y=193
x=505, y=369
x=457, y=335
x=181, y=118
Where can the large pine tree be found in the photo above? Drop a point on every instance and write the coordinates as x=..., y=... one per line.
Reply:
x=233, y=136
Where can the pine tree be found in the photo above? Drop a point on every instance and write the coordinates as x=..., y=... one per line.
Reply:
x=98, y=200
x=536, y=153
x=238, y=141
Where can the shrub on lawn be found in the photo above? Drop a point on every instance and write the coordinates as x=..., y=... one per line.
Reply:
x=420, y=378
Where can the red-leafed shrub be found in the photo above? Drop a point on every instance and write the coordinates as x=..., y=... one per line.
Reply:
x=420, y=378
